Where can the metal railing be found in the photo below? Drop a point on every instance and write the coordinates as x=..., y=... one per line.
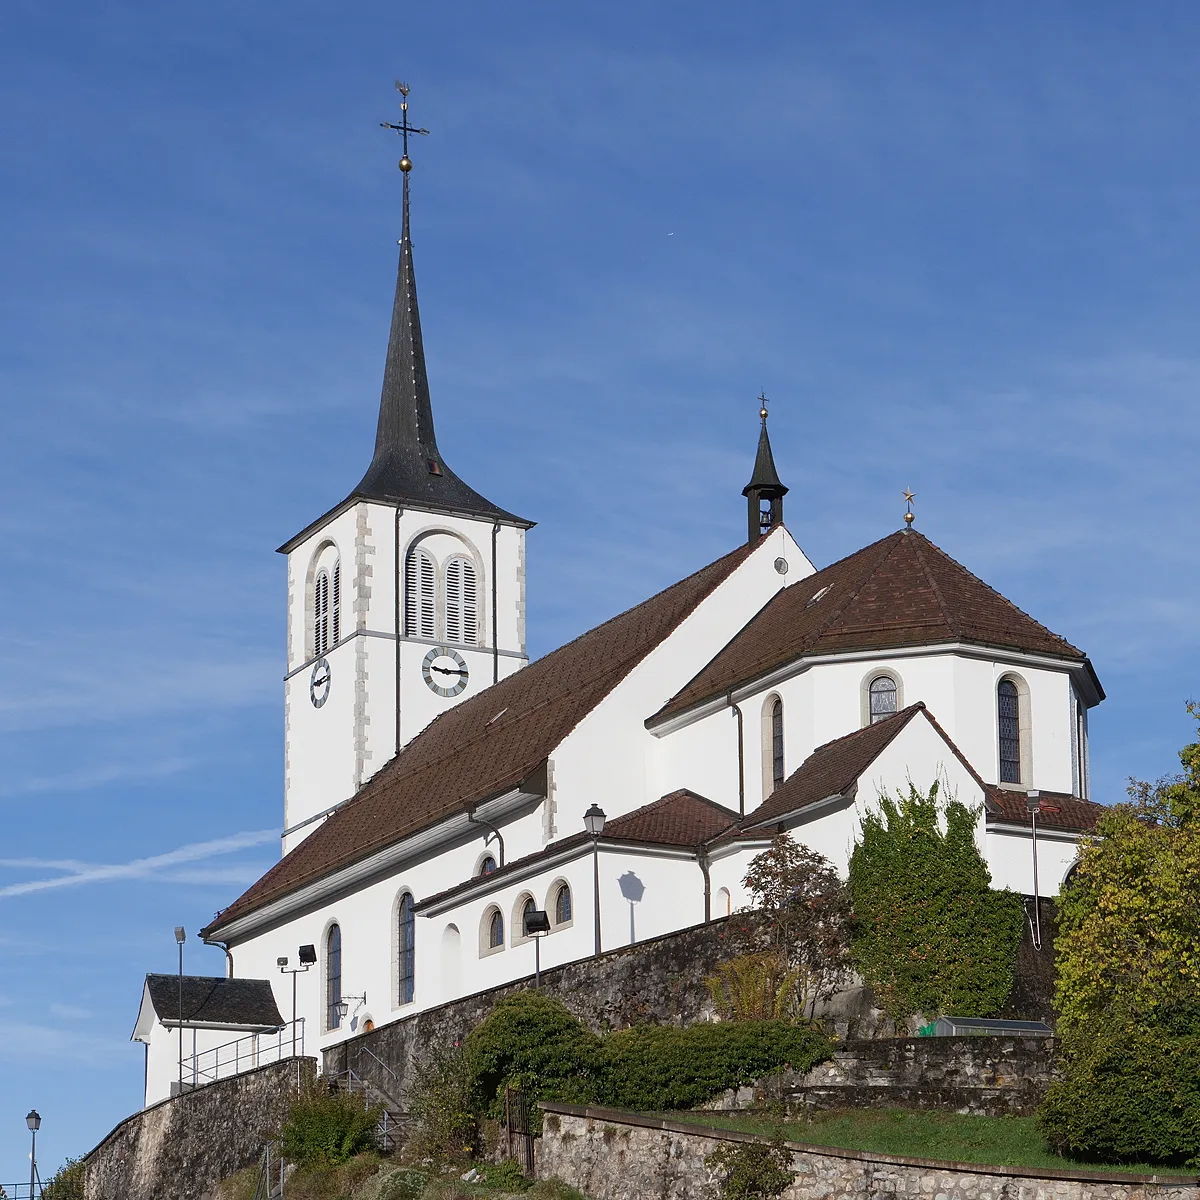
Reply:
x=20, y=1191
x=270, y=1166
x=242, y=1054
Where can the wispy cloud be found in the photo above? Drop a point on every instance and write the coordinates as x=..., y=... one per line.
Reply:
x=157, y=866
x=97, y=776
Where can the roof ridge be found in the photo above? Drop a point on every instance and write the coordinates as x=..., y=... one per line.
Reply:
x=1058, y=637
x=955, y=626
x=907, y=712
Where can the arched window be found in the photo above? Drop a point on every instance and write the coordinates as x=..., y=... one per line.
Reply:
x=494, y=930
x=883, y=698
x=327, y=609
x=420, y=595
x=333, y=977
x=1008, y=702
x=406, y=931
x=776, y=743
x=562, y=905
x=528, y=907
x=487, y=865
x=462, y=601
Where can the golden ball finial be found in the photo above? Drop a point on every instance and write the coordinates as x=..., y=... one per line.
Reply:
x=406, y=164
x=762, y=412
x=908, y=518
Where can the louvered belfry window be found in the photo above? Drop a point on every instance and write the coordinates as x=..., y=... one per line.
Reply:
x=321, y=613
x=1009, y=707
x=420, y=590
x=462, y=600
x=776, y=744
x=335, y=605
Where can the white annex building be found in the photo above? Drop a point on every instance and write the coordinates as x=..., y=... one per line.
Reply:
x=438, y=786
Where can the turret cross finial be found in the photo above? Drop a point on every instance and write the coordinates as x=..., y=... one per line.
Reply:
x=762, y=405
x=403, y=128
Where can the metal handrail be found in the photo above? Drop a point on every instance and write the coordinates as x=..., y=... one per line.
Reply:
x=242, y=1054
x=372, y=1054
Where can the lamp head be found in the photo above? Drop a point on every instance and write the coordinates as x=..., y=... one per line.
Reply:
x=34, y=1121
x=593, y=820
x=180, y=934
x=537, y=920
x=281, y=961
x=1033, y=802
x=308, y=954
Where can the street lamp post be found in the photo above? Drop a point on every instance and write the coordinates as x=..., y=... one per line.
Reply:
x=1033, y=802
x=593, y=821
x=180, y=938
x=34, y=1122
x=537, y=925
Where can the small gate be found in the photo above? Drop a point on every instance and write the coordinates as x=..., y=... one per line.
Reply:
x=517, y=1131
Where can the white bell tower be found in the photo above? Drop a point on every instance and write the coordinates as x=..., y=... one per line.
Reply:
x=403, y=600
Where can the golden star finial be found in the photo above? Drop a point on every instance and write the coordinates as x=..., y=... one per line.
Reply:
x=909, y=496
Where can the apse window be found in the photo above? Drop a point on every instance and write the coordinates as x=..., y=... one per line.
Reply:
x=1008, y=707
x=883, y=697
x=562, y=905
x=776, y=743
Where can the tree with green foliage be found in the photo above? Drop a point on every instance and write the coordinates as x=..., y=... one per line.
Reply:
x=753, y=1170
x=930, y=934
x=1128, y=989
x=328, y=1127
x=799, y=915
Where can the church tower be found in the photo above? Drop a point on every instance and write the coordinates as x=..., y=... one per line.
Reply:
x=404, y=599
x=765, y=491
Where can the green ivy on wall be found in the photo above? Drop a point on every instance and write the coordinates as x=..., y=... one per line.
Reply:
x=930, y=934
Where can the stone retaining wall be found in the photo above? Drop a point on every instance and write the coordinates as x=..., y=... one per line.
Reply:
x=181, y=1148
x=623, y=1156
x=991, y=1076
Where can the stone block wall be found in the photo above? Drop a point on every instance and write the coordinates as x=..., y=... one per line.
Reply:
x=620, y=1156
x=182, y=1148
x=660, y=980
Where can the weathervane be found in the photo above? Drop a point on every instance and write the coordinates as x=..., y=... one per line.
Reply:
x=404, y=128
x=909, y=496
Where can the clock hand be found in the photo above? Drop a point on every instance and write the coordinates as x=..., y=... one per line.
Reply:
x=448, y=670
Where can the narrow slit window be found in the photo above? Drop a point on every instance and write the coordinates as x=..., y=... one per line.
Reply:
x=776, y=744
x=406, y=934
x=883, y=698
x=333, y=978
x=420, y=596
x=1009, y=709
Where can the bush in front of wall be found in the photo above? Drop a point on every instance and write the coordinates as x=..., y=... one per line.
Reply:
x=328, y=1128
x=532, y=1042
x=652, y=1068
x=752, y=1170
x=444, y=1126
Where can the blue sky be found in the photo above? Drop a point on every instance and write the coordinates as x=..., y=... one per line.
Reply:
x=956, y=244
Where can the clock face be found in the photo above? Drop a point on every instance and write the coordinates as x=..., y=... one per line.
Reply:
x=318, y=684
x=445, y=671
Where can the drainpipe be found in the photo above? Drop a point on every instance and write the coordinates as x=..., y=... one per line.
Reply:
x=399, y=626
x=228, y=954
x=702, y=859
x=495, y=631
x=737, y=712
x=488, y=825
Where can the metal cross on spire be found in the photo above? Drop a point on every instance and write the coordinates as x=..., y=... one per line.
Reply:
x=909, y=496
x=762, y=404
x=403, y=128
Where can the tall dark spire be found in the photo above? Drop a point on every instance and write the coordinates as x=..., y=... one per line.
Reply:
x=407, y=466
x=765, y=491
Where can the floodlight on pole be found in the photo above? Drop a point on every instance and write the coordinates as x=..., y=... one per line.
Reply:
x=593, y=822
x=537, y=925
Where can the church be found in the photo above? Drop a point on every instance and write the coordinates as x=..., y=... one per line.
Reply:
x=455, y=816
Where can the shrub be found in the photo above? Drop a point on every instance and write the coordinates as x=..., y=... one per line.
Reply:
x=930, y=934
x=393, y=1183
x=753, y=1170
x=752, y=987
x=328, y=1128
x=66, y=1183
x=444, y=1126
x=532, y=1041
x=507, y=1176
x=658, y=1067
x=1126, y=1093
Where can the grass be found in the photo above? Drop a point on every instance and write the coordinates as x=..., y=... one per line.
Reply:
x=951, y=1137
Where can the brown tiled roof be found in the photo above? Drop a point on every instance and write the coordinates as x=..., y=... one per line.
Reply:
x=488, y=744
x=681, y=818
x=831, y=769
x=900, y=591
x=1059, y=811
